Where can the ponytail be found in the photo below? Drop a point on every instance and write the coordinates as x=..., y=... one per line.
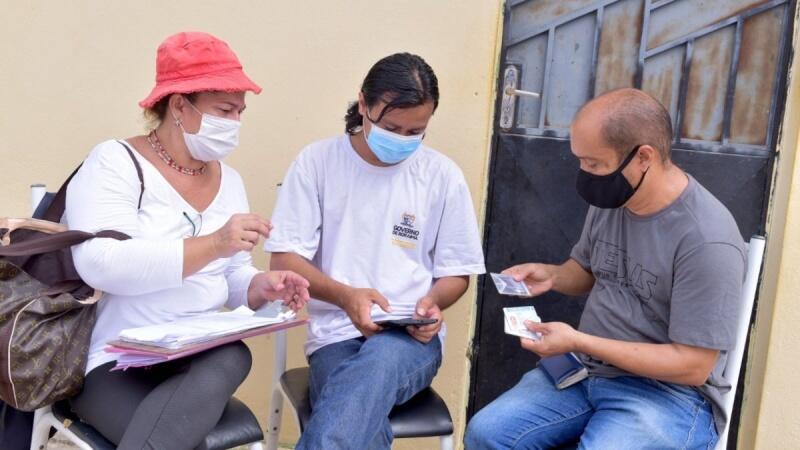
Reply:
x=353, y=119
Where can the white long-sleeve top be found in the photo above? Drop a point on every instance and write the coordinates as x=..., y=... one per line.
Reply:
x=143, y=277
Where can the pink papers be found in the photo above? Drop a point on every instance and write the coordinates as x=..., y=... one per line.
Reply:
x=141, y=355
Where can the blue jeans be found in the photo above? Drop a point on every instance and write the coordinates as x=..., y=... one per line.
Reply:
x=619, y=413
x=355, y=384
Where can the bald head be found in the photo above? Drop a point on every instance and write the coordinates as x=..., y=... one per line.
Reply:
x=627, y=118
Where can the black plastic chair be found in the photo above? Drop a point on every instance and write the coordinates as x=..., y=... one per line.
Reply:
x=238, y=426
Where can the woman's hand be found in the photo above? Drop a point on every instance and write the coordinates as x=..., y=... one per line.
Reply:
x=283, y=285
x=240, y=233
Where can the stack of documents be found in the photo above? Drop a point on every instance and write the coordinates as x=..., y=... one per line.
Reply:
x=145, y=346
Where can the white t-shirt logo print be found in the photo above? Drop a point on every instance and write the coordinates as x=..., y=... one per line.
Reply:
x=404, y=234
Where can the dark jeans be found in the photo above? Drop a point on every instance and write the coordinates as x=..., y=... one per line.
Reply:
x=171, y=405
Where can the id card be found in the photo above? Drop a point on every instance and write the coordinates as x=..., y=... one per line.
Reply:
x=515, y=319
x=507, y=285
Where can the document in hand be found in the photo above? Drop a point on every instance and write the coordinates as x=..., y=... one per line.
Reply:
x=565, y=370
x=145, y=346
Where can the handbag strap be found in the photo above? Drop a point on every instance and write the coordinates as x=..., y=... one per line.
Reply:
x=58, y=241
x=56, y=209
x=138, y=172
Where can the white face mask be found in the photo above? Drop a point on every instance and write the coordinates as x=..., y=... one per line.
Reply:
x=216, y=138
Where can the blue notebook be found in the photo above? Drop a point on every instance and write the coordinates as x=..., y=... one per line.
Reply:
x=565, y=370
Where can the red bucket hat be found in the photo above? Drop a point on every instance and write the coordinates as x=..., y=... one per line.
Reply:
x=193, y=62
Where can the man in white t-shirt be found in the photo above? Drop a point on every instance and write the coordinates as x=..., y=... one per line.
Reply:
x=383, y=227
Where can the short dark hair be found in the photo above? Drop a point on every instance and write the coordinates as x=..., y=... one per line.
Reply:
x=155, y=114
x=401, y=80
x=632, y=117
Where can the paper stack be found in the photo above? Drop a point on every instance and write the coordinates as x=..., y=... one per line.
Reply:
x=145, y=346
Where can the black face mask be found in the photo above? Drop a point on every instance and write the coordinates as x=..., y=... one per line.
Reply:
x=608, y=191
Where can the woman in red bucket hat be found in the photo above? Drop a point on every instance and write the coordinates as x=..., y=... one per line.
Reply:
x=191, y=233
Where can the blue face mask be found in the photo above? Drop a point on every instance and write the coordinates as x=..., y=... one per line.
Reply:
x=391, y=148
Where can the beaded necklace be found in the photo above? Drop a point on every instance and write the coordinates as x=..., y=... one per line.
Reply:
x=152, y=139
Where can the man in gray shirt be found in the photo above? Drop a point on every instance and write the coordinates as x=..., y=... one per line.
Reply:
x=663, y=262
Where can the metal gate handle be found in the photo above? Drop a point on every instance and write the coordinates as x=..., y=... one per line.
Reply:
x=511, y=91
x=510, y=94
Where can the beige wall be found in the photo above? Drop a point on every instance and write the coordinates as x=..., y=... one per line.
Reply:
x=72, y=73
x=770, y=418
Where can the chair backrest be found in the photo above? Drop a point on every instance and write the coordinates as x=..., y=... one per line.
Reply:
x=733, y=366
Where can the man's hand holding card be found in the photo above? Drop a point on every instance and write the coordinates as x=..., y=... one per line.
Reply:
x=537, y=278
x=507, y=285
x=515, y=319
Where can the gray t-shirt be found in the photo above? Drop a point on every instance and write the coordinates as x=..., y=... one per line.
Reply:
x=673, y=276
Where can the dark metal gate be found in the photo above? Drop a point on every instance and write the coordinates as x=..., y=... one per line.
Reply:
x=719, y=66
